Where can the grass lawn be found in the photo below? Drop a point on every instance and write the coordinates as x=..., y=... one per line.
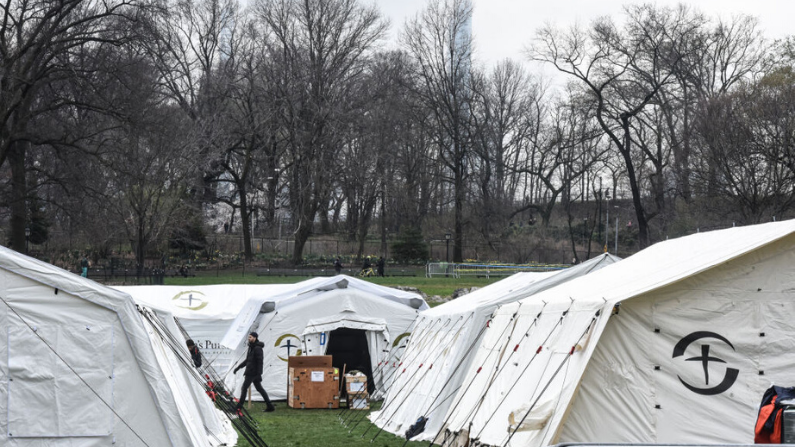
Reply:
x=431, y=286
x=288, y=427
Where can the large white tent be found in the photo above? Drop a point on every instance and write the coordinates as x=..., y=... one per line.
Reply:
x=313, y=317
x=205, y=312
x=443, y=342
x=78, y=368
x=675, y=344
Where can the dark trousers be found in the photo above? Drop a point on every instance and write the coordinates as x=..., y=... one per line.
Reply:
x=257, y=381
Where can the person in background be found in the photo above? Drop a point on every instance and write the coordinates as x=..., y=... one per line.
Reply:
x=338, y=265
x=380, y=266
x=195, y=354
x=84, y=267
x=253, y=372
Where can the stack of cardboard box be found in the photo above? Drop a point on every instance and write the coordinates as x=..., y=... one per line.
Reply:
x=356, y=388
x=312, y=382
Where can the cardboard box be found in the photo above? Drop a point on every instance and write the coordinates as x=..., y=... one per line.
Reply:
x=360, y=401
x=355, y=383
x=313, y=387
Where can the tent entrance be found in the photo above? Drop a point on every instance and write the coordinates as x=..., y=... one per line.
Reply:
x=349, y=348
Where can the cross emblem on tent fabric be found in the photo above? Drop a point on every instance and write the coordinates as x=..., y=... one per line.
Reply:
x=705, y=359
x=289, y=342
x=288, y=345
x=193, y=302
x=731, y=374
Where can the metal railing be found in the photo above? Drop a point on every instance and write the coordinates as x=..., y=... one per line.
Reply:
x=454, y=270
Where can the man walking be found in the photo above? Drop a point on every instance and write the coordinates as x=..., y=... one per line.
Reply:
x=253, y=372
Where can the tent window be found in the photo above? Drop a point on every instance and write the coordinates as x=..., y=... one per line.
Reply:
x=349, y=348
x=45, y=397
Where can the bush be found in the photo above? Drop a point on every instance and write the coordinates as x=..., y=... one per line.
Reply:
x=410, y=247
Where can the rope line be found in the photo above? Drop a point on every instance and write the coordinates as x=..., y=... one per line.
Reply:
x=384, y=366
x=427, y=370
x=491, y=351
x=524, y=370
x=223, y=400
x=551, y=379
x=420, y=349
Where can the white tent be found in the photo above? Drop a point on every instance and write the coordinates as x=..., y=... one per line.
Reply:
x=205, y=312
x=78, y=368
x=324, y=316
x=675, y=344
x=443, y=342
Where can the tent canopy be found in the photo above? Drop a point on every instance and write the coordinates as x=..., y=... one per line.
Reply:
x=309, y=290
x=78, y=366
x=205, y=312
x=302, y=320
x=444, y=340
x=575, y=366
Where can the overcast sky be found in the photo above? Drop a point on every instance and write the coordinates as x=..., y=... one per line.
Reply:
x=502, y=28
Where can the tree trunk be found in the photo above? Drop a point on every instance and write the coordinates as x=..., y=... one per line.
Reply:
x=18, y=221
x=245, y=222
x=640, y=212
x=302, y=234
x=140, y=246
x=458, y=245
x=382, y=217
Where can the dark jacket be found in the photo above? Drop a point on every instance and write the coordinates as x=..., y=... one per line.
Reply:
x=253, y=361
x=196, y=356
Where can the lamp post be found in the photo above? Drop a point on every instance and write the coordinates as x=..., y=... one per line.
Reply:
x=27, y=238
x=447, y=237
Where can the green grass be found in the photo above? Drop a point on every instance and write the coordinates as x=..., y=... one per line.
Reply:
x=431, y=286
x=288, y=427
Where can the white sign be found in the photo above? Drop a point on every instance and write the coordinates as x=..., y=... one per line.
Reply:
x=317, y=376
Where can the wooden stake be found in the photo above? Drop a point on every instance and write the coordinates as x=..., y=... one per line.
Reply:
x=342, y=378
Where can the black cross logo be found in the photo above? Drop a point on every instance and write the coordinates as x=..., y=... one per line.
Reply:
x=705, y=359
x=288, y=345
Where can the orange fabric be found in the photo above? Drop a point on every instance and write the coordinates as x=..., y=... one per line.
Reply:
x=764, y=437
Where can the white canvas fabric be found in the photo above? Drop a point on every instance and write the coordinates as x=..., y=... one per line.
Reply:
x=205, y=312
x=78, y=368
x=674, y=345
x=308, y=289
x=427, y=377
x=301, y=322
x=196, y=409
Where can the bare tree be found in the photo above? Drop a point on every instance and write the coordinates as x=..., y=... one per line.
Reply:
x=624, y=71
x=440, y=41
x=140, y=166
x=37, y=40
x=722, y=54
x=505, y=117
x=320, y=47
